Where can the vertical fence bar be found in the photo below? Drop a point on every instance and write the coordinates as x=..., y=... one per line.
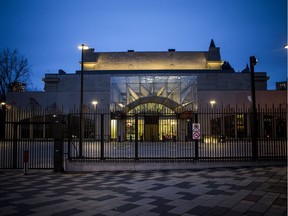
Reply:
x=58, y=145
x=69, y=135
x=26, y=161
x=15, y=145
x=196, y=141
x=136, y=137
x=102, y=138
x=255, y=135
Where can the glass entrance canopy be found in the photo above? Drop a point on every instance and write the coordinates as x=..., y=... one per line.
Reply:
x=140, y=93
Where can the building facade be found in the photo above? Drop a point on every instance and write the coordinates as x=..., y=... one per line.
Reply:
x=173, y=83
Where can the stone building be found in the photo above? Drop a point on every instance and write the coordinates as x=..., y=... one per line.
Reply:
x=169, y=82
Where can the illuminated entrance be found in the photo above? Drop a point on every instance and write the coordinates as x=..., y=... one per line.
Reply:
x=151, y=128
x=156, y=99
x=155, y=122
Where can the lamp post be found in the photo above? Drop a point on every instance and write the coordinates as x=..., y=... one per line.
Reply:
x=82, y=47
x=95, y=119
x=253, y=62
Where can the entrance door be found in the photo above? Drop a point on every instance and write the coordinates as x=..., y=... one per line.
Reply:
x=151, y=128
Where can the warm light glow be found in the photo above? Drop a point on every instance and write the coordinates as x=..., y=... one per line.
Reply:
x=214, y=64
x=84, y=47
x=121, y=105
x=89, y=65
x=210, y=140
x=113, y=129
x=212, y=102
x=94, y=103
x=3, y=103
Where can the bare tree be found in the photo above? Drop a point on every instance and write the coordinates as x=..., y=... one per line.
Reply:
x=14, y=70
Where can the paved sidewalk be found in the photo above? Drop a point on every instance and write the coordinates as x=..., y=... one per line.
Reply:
x=235, y=191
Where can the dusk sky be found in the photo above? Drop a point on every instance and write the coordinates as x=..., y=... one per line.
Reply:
x=48, y=32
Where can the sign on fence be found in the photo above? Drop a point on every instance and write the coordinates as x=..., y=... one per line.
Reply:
x=196, y=131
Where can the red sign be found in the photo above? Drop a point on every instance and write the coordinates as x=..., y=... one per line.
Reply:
x=196, y=135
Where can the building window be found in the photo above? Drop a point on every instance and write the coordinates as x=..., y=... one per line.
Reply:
x=241, y=122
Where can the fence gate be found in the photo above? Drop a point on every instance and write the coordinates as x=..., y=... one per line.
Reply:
x=26, y=136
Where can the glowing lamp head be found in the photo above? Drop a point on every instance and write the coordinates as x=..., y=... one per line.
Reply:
x=212, y=102
x=253, y=60
x=83, y=47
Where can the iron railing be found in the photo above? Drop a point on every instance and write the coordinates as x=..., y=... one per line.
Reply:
x=225, y=134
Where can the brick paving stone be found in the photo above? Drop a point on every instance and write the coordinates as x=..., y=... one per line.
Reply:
x=235, y=191
x=243, y=206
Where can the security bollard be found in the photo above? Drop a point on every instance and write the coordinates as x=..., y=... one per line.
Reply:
x=26, y=160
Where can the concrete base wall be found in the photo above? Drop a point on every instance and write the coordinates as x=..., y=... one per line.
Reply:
x=152, y=166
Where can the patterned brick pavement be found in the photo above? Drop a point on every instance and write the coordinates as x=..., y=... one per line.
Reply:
x=241, y=191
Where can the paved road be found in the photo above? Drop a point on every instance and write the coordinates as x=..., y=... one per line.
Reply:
x=241, y=191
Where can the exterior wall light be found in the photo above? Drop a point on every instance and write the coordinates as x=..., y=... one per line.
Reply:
x=212, y=102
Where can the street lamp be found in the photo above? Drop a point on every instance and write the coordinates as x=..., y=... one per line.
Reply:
x=253, y=62
x=82, y=47
x=95, y=119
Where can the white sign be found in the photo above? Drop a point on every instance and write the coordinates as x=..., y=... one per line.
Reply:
x=196, y=127
x=196, y=131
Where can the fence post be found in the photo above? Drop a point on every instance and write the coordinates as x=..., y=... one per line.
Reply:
x=15, y=145
x=196, y=141
x=136, y=137
x=102, y=138
x=254, y=135
x=69, y=136
x=26, y=161
x=253, y=62
x=58, y=145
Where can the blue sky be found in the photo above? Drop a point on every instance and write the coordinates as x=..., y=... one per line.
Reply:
x=48, y=32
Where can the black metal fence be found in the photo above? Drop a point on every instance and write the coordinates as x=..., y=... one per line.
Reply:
x=222, y=134
x=208, y=134
x=27, y=132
